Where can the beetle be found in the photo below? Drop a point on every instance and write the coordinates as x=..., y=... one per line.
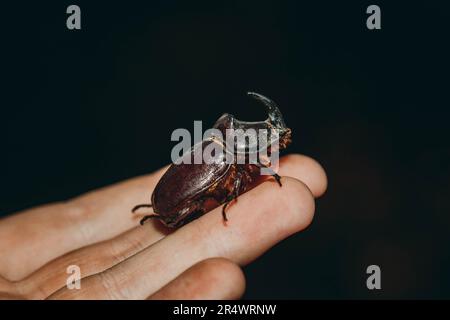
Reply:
x=186, y=191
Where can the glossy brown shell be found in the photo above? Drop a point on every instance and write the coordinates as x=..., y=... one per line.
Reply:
x=183, y=182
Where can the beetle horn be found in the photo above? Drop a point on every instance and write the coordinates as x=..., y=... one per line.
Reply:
x=275, y=116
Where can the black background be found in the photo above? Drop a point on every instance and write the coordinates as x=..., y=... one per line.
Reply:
x=83, y=109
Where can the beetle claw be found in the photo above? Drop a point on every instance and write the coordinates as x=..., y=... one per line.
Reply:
x=278, y=178
x=224, y=215
x=141, y=206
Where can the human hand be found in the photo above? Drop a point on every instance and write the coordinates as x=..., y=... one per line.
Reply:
x=119, y=259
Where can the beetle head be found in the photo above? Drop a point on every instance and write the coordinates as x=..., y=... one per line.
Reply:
x=277, y=132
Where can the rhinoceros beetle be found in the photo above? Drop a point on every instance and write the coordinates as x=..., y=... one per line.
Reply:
x=186, y=191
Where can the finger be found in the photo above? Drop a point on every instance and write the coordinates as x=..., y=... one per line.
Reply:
x=30, y=239
x=109, y=207
x=305, y=169
x=258, y=220
x=210, y=279
x=98, y=257
x=9, y=290
x=90, y=260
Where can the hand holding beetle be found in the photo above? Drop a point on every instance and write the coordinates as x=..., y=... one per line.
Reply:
x=120, y=259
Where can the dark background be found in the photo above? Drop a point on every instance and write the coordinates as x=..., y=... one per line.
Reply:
x=83, y=109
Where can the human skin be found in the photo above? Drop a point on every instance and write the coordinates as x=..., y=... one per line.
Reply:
x=119, y=259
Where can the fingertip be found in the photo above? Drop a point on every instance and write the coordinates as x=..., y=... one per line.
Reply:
x=213, y=278
x=306, y=169
x=262, y=217
x=298, y=204
x=227, y=274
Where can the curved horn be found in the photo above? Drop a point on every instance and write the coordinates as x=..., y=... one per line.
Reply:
x=275, y=116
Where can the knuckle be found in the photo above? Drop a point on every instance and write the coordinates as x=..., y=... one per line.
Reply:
x=78, y=213
x=75, y=210
x=112, y=285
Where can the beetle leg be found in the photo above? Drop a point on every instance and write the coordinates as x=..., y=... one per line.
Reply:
x=233, y=195
x=141, y=206
x=224, y=215
x=272, y=173
x=148, y=217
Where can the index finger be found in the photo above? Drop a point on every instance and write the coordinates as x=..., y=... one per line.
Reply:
x=100, y=215
x=33, y=237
